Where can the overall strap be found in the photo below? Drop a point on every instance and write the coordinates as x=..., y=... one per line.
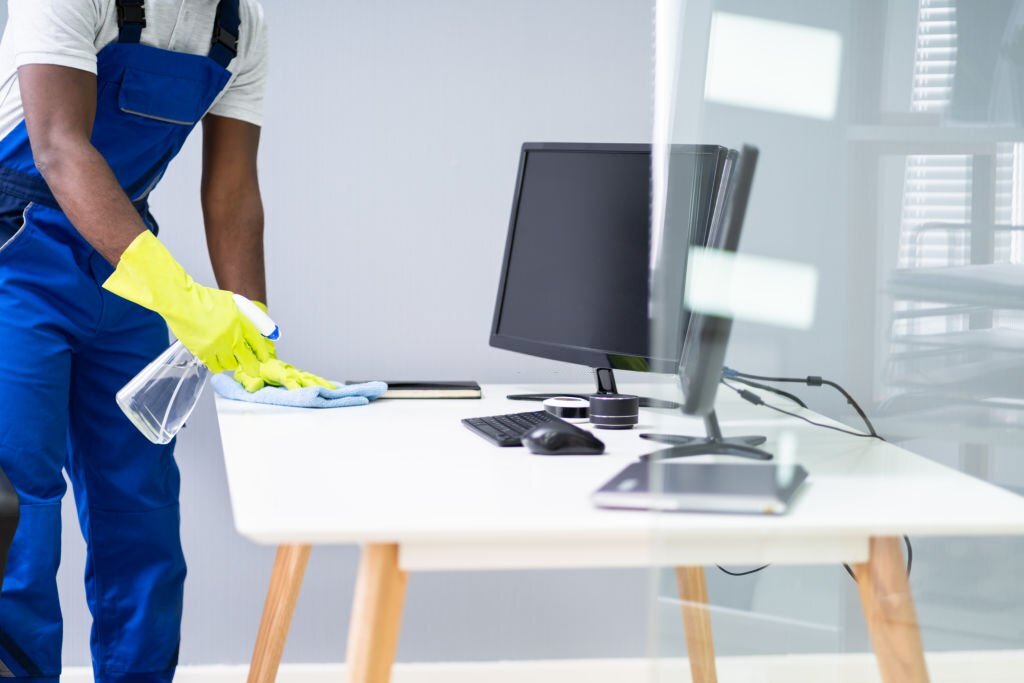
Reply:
x=131, y=19
x=224, y=46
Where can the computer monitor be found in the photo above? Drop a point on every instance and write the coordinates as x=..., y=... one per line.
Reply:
x=707, y=337
x=576, y=277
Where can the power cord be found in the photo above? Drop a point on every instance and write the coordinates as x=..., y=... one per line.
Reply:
x=910, y=560
x=746, y=573
x=764, y=387
x=811, y=381
x=751, y=397
x=755, y=381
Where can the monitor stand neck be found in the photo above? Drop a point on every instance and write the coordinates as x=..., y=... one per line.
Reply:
x=604, y=378
x=713, y=444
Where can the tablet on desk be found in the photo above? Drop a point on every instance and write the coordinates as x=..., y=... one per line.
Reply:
x=701, y=487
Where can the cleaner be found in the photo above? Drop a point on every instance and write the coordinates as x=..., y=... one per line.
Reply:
x=161, y=398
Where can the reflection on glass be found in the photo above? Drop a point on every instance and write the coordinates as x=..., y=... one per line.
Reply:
x=751, y=288
x=897, y=172
x=773, y=66
x=955, y=360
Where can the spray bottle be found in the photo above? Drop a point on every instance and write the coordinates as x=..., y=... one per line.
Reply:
x=162, y=397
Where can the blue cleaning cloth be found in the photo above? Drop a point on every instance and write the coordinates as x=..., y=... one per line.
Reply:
x=343, y=396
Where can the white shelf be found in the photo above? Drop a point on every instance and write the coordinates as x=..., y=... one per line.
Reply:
x=949, y=139
x=948, y=134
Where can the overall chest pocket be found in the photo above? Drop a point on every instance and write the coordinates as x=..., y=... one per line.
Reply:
x=163, y=98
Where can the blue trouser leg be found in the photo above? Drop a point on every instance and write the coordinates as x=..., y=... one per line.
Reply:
x=35, y=363
x=33, y=419
x=126, y=489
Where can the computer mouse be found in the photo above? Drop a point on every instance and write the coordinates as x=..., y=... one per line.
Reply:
x=561, y=438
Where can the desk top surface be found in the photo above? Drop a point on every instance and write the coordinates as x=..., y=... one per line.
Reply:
x=408, y=471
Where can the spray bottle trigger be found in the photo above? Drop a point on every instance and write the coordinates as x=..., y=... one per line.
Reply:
x=263, y=322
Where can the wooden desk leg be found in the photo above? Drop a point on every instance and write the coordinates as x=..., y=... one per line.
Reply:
x=285, y=584
x=376, y=615
x=889, y=613
x=700, y=647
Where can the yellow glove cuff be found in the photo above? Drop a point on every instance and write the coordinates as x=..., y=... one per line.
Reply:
x=206, y=320
x=147, y=274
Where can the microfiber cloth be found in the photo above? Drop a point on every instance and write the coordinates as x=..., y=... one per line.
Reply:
x=342, y=396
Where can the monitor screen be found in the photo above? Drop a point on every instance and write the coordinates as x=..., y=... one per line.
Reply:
x=576, y=278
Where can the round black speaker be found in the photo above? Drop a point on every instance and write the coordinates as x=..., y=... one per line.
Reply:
x=614, y=411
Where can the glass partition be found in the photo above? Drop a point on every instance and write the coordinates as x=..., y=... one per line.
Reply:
x=881, y=250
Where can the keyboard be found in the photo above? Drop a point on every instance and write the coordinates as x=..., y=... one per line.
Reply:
x=507, y=430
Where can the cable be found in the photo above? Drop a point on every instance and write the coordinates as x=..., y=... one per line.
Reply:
x=758, y=401
x=910, y=560
x=746, y=573
x=811, y=381
x=751, y=397
x=764, y=387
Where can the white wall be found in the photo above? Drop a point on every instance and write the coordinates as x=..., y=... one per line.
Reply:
x=389, y=157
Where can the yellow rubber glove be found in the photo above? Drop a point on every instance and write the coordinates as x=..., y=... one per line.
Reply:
x=263, y=348
x=204, y=319
x=274, y=372
x=277, y=373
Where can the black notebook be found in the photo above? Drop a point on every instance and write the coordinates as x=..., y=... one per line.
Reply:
x=430, y=389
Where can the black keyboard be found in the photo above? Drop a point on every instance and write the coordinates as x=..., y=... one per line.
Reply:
x=507, y=430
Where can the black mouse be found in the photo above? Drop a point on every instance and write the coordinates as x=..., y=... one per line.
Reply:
x=558, y=437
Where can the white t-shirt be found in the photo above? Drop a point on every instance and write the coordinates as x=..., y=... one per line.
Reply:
x=72, y=32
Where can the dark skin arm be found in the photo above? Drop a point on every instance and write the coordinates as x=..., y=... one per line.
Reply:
x=60, y=107
x=232, y=206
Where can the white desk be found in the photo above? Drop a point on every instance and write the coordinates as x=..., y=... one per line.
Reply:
x=420, y=492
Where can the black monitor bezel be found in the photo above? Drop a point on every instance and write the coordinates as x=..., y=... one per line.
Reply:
x=594, y=358
x=707, y=336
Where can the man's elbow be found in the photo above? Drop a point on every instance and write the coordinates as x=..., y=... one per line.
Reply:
x=52, y=154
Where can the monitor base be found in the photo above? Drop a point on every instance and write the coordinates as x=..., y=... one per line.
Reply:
x=680, y=440
x=709, y=447
x=605, y=380
x=713, y=444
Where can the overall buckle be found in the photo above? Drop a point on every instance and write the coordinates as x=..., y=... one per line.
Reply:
x=131, y=14
x=222, y=36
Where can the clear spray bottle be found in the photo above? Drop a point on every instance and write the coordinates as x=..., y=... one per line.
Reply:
x=162, y=397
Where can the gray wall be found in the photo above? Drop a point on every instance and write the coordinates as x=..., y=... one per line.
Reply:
x=389, y=157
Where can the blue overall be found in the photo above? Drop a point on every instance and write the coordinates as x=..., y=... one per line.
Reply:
x=66, y=347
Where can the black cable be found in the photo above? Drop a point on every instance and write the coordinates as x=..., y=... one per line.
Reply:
x=764, y=387
x=910, y=560
x=819, y=424
x=757, y=400
x=751, y=397
x=746, y=573
x=811, y=381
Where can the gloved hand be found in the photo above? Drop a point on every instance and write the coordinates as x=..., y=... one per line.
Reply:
x=204, y=319
x=277, y=373
x=273, y=372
